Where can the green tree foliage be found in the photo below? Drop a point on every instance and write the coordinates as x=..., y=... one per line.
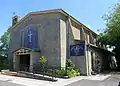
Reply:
x=112, y=33
x=111, y=36
x=3, y=63
x=4, y=41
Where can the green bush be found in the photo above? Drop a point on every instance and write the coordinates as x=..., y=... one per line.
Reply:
x=43, y=60
x=69, y=64
x=72, y=71
x=49, y=72
x=58, y=72
x=4, y=63
x=77, y=71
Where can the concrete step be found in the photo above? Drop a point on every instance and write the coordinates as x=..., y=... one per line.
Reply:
x=35, y=76
x=9, y=73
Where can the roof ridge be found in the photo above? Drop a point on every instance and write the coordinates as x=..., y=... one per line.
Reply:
x=52, y=10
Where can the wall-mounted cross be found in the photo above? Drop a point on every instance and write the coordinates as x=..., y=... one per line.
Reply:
x=30, y=36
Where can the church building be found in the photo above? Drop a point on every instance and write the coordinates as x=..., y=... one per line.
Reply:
x=58, y=36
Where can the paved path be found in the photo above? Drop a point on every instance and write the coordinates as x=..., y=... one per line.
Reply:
x=6, y=83
x=20, y=81
x=113, y=80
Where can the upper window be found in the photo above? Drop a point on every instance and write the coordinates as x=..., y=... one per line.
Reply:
x=76, y=33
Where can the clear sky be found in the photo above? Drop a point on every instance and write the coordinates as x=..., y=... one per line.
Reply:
x=88, y=12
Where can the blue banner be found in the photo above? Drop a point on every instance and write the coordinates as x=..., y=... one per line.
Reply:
x=77, y=50
x=31, y=38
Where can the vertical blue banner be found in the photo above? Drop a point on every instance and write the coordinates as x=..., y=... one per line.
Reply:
x=31, y=38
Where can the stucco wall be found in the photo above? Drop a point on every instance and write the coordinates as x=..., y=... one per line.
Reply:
x=80, y=62
x=54, y=39
x=63, y=42
x=14, y=43
x=48, y=36
x=34, y=59
x=74, y=33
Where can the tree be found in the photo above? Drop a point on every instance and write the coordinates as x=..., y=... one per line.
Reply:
x=4, y=41
x=111, y=36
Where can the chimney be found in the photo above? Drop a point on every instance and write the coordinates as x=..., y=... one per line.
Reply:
x=15, y=20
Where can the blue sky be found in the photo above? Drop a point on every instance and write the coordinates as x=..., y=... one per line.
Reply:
x=88, y=12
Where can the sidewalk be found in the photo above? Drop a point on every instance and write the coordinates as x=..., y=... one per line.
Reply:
x=60, y=82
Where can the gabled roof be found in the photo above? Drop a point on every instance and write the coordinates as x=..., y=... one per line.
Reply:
x=52, y=11
x=23, y=48
x=20, y=49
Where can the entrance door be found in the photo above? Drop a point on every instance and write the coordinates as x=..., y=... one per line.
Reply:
x=25, y=62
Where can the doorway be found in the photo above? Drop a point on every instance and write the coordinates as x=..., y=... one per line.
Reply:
x=92, y=62
x=24, y=62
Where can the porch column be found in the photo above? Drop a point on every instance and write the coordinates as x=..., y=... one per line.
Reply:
x=16, y=62
x=31, y=61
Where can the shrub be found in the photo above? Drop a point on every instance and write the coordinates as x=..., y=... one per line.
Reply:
x=43, y=60
x=69, y=64
x=4, y=63
x=72, y=71
x=58, y=72
x=77, y=71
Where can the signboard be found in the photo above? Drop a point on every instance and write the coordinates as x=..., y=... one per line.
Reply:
x=77, y=50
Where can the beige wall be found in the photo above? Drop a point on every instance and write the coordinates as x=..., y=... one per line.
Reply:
x=49, y=38
x=53, y=39
x=80, y=62
x=34, y=59
x=48, y=26
x=63, y=43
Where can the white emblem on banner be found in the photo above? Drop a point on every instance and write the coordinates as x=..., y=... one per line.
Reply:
x=76, y=49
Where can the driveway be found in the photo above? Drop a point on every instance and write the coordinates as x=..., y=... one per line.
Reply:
x=113, y=80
